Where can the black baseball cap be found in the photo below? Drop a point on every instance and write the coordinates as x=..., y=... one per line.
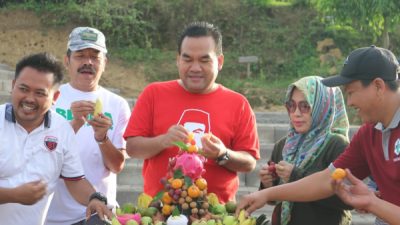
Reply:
x=366, y=63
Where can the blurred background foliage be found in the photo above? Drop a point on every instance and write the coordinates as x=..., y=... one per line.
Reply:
x=291, y=38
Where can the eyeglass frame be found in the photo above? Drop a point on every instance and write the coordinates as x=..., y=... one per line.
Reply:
x=303, y=106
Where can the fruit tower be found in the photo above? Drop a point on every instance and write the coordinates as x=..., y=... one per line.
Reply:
x=184, y=199
x=185, y=190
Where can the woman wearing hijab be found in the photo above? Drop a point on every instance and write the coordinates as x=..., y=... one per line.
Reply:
x=317, y=134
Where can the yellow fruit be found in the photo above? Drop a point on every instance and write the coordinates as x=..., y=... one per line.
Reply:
x=166, y=198
x=193, y=191
x=144, y=200
x=201, y=183
x=338, y=174
x=98, y=108
x=193, y=149
x=177, y=183
x=166, y=210
x=190, y=137
x=212, y=199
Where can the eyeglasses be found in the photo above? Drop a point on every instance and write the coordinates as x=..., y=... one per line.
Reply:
x=291, y=106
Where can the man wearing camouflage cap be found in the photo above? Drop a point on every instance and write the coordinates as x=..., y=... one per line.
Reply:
x=101, y=146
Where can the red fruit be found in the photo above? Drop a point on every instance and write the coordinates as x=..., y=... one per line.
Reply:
x=272, y=169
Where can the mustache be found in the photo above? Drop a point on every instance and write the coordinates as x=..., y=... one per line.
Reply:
x=86, y=68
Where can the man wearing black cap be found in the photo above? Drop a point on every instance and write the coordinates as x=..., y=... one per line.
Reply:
x=369, y=77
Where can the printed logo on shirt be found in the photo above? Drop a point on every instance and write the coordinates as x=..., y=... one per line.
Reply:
x=50, y=142
x=196, y=121
x=397, y=147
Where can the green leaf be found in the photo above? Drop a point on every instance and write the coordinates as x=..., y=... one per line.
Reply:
x=188, y=181
x=178, y=173
x=176, y=212
x=181, y=145
x=158, y=196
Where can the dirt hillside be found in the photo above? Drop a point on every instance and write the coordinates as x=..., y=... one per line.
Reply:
x=21, y=33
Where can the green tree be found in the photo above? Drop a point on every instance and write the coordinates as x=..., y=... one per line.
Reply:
x=376, y=16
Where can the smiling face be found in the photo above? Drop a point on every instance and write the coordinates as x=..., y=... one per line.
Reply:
x=301, y=121
x=364, y=100
x=32, y=95
x=85, y=68
x=198, y=64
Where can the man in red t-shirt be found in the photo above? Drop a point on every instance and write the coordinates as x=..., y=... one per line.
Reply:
x=370, y=81
x=166, y=112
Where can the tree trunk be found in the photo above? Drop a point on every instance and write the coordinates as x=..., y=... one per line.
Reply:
x=385, y=35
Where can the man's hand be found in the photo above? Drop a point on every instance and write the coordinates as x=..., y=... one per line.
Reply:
x=212, y=146
x=80, y=111
x=98, y=206
x=356, y=194
x=252, y=202
x=266, y=176
x=100, y=125
x=30, y=193
x=174, y=133
x=284, y=170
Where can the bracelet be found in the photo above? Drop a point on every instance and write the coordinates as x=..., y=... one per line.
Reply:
x=105, y=139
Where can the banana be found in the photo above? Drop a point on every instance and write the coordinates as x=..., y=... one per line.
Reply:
x=144, y=200
x=242, y=216
x=212, y=199
x=98, y=108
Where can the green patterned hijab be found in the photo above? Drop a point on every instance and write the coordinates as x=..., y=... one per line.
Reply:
x=328, y=117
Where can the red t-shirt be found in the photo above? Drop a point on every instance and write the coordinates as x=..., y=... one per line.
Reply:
x=364, y=156
x=224, y=113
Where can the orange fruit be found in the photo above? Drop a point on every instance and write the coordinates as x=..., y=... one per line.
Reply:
x=193, y=191
x=201, y=183
x=193, y=149
x=176, y=183
x=190, y=137
x=166, y=210
x=166, y=198
x=338, y=174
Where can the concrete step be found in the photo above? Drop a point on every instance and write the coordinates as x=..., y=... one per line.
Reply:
x=272, y=117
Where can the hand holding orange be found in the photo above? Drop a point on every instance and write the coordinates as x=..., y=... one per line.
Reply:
x=338, y=174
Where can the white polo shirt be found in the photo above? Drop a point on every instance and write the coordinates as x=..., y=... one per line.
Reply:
x=44, y=154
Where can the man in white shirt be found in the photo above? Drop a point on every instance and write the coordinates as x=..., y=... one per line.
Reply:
x=100, y=143
x=37, y=147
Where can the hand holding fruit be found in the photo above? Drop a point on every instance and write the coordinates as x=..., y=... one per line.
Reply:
x=212, y=146
x=284, y=170
x=267, y=174
x=252, y=201
x=100, y=125
x=81, y=109
x=353, y=191
x=30, y=193
x=174, y=134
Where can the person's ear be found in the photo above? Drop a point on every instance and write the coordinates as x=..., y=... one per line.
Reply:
x=66, y=61
x=55, y=96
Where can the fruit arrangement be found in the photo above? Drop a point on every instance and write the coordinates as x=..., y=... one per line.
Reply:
x=184, y=199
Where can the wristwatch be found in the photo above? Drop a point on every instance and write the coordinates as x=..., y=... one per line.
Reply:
x=222, y=159
x=99, y=196
x=102, y=141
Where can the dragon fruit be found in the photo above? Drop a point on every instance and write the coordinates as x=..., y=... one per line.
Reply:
x=192, y=165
